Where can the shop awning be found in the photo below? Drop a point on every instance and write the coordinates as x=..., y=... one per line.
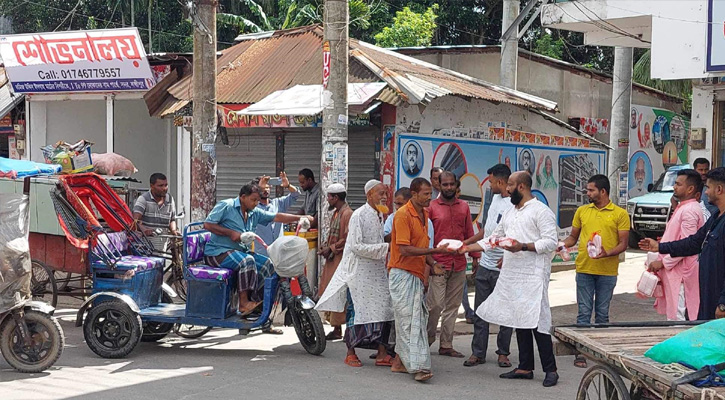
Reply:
x=8, y=100
x=305, y=100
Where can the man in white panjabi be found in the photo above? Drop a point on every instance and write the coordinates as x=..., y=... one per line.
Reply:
x=362, y=270
x=521, y=297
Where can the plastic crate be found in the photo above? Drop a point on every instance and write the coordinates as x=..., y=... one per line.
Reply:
x=209, y=298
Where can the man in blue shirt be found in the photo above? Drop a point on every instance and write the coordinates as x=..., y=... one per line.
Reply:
x=273, y=231
x=702, y=165
x=227, y=222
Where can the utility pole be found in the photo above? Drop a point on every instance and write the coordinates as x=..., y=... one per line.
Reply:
x=619, y=125
x=509, y=44
x=334, y=94
x=203, y=155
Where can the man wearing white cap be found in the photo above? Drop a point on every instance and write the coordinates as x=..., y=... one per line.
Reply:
x=362, y=271
x=332, y=250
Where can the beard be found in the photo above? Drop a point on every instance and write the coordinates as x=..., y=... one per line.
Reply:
x=448, y=195
x=516, y=197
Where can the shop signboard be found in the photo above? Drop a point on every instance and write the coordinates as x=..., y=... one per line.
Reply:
x=112, y=60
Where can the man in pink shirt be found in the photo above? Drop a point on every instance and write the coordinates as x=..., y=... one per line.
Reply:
x=451, y=219
x=680, y=275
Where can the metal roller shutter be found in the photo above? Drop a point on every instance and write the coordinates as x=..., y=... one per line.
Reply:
x=302, y=149
x=361, y=156
x=251, y=153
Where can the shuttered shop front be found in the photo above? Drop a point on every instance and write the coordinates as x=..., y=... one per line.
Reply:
x=302, y=149
x=251, y=153
x=361, y=167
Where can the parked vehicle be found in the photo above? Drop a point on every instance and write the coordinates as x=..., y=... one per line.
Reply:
x=649, y=213
x=128, y=292
x=31, y=340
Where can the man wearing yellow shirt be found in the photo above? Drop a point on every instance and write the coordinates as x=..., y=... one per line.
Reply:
x=596, y=277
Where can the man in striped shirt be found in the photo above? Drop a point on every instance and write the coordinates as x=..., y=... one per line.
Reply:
x=155, y=212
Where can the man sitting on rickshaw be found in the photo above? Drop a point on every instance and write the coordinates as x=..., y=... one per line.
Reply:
x=227, y=222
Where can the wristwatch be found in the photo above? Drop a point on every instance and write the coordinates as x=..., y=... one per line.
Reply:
x=525, y=247
x=721, y=307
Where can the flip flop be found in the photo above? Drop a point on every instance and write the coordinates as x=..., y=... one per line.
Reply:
x=385, y=362
x=273, y=331
x=333, y=336
x=353, y=361
x=423, y=376
x=504, y=364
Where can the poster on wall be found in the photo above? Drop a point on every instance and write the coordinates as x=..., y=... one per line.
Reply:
x=657, y=141
x=559, y=173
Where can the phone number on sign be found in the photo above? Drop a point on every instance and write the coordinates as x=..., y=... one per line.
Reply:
x=84, y=73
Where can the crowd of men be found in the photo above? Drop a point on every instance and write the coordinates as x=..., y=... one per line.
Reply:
x=391, y=281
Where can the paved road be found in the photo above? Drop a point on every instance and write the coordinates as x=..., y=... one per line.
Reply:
x=223, y=365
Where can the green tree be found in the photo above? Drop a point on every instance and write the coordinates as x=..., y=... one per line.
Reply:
x=548, y=46
x=409, y=29
x=676, y=87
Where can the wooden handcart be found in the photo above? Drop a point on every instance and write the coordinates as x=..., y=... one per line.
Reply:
x=621, y=371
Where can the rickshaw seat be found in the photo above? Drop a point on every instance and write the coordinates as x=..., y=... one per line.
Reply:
x=115, y=246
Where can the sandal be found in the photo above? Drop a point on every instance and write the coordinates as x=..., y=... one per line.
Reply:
x=473, y=361
x=273, y=331
x=397, y=366
x=505, y=363
x=333, y=336
x=423, y=376
x=580, y=362
x=450, y=353
x=353, y=361
x=387, y=361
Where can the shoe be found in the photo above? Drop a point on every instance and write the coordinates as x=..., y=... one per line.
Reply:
x=551, y=379
x=514, y=375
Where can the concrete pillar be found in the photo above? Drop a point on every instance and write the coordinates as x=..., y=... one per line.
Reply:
x=619, y=125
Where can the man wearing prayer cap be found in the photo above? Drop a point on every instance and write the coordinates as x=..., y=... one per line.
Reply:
x=331, y=251
x=362, y=271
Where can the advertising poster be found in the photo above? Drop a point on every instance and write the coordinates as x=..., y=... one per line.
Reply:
x=657, y=141
x=559, y=174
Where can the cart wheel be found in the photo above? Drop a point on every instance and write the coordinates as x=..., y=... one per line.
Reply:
x=191, y=331
x=43, y=284
x=155, y=331
x=603, y=383
x=112, y=329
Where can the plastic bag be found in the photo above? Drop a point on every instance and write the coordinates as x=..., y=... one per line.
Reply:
x=288, y=255
x=698, y=346
x=563, y=252
x=113, y=164
x=647, y=284
x=651, y=257
x=594, y=247
x=15, y=267
x=453, y=244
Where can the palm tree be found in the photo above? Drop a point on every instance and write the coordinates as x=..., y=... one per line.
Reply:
x=677, y=87
x=291, y=14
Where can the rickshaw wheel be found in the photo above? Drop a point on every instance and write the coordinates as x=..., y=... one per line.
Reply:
x=42, y=283
x=112, y=329
x=309, y=329
x=602, y=382
x=47, y=342
x=191, y=331
x=155, y=331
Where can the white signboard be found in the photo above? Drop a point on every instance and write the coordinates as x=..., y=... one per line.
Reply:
x=111, y=60
x=716, y=35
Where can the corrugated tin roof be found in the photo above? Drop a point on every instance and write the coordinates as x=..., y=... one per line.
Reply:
x=8, y=99
x=253, y=69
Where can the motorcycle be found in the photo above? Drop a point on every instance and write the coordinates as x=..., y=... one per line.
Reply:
x=31, y=339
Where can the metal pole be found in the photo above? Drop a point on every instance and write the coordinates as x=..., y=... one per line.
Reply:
x=509, y=45
x=334, y=96
x=203, y=162
x=619, y=125
x=109, y=124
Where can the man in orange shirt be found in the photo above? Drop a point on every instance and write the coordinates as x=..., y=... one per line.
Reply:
x=410, y=261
